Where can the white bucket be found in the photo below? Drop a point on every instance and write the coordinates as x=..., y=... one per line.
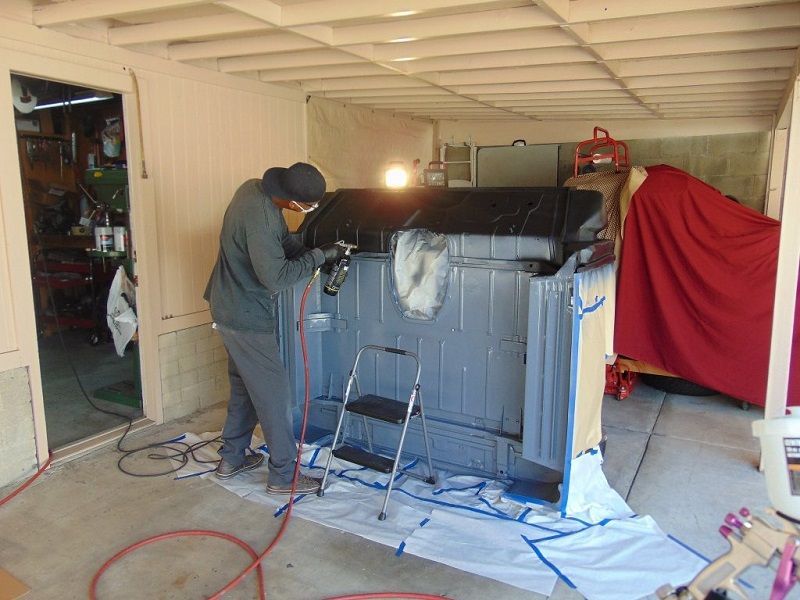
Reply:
x=120, y=239
x=780, y=455
x=104, y=238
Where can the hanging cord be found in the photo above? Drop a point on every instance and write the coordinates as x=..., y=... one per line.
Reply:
x=139, y=118
x=259, y=558
x=178, y=450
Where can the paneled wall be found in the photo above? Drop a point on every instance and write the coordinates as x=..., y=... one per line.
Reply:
x=204, y=133
x=203, y=141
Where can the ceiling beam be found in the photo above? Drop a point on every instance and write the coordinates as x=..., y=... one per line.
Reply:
x=601, y=10
x=325, y=11
x=360, y=83
x=412, y=99
x=383, y=92
x=728, y=88
x=708, y=78
x=699, y=44
x=542, y=86
x=263, y=10
x=262, y=44
x=182, y=29
x=494, y=60
x=543, y=103
x=503, y=99
x=560, y=9
x=709, y=97
x=508, y=19
x=468, y=44
x=522, y=75
x=307, y=58
x=326, y=72
x=699, y=64
x=696, y=23
x=85, y=10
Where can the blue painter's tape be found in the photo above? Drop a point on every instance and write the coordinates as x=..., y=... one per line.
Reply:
x=689, y=548
x=177, y=439
x=581, y=521
x=550, y=565
x=283, y=508
x=194, y=474
x=400, y=549
x=573, y=388
x=478, y=487
x=598, y=304
x=524, y=514
x=314, y=457
x=424, y=521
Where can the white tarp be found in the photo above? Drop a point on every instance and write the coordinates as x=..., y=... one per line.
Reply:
x=466, y=522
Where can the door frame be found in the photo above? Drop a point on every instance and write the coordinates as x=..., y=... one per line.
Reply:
x=12, y=219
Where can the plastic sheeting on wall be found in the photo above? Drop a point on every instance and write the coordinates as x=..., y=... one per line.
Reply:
x=352, y=146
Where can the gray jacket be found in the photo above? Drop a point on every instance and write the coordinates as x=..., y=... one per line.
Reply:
x=258, y=258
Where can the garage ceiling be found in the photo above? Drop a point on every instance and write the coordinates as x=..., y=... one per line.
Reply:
x=474, y=59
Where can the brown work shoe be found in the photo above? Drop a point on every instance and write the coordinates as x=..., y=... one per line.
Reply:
x=305, y=485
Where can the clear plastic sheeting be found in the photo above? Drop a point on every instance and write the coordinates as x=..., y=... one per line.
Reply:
x=420, y=273
x=120, y=313
x=467, y=522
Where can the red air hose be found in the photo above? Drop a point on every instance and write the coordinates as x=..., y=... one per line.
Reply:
x=33, y=478
x=257, y=558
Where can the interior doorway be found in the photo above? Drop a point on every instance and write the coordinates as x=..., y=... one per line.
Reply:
x=73, y=169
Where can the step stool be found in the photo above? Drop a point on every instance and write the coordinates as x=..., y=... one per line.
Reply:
x=387, y=410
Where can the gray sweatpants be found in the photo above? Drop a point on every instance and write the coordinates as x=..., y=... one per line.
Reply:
x=259, y=394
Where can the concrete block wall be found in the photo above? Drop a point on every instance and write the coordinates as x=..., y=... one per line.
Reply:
x=17, y=445
x=194, y=370
x=735, y=164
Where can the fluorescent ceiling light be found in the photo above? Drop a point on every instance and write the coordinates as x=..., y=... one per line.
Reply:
x=94, y=98
x=403, y=13
x=404, y=59
x=402, y=39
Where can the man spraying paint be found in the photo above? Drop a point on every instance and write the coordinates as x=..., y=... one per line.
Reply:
x=258, y=258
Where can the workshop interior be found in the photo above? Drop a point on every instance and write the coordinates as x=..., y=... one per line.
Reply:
x=555, y=357
x=74, y=175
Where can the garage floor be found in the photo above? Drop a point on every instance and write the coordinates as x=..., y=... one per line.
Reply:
x=685, y=461
x=69, y=416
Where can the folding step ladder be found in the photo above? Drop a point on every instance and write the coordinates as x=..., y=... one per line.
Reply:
x=383, y=409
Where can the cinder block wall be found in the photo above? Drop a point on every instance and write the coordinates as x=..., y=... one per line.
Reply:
x=194, y=370
x=735, y=164
x=17, y=445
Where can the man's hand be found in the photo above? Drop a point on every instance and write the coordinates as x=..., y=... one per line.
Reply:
x=333, y=252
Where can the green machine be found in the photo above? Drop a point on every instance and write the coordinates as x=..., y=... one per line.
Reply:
x=111, y=194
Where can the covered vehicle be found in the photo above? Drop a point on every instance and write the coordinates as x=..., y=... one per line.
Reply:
x=697, y=284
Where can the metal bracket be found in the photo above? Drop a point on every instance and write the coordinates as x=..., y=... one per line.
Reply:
x=516, y=345
x=320, y=322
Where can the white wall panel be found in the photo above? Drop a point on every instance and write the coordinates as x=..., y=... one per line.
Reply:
x=204, y=141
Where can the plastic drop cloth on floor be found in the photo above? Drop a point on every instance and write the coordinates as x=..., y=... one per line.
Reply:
x=599, y=548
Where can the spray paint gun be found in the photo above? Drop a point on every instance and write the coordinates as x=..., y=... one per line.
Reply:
x=339, y=270
x=754, y=540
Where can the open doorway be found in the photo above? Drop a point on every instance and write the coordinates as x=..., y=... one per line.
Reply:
x=74, y=176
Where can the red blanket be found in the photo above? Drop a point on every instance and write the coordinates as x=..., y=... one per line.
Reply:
x=697, y=284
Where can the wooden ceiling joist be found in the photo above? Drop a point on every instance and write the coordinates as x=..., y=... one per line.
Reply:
x=473, y=59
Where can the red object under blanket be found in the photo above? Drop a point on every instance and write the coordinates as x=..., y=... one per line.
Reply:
x=697, y=284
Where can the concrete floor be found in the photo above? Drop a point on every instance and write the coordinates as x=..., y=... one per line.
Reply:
x=685, y=461
x=69, y=416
